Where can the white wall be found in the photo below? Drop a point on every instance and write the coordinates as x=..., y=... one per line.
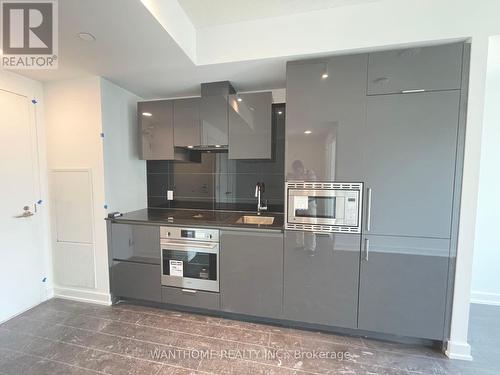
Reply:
x=124, y=173
x=73, y=118
x=89, y=172
x=486, y=277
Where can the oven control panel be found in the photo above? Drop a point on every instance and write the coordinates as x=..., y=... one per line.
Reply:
x=193, y=234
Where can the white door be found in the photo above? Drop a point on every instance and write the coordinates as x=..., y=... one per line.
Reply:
x=21, y=263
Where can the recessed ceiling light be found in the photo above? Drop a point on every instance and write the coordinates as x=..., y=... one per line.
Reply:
x=147, y=114
x=190, y=146
x=239, y=99
x=307, y=132
x=87, y=37
x=280, y=112
x=217, y=146
x=324, y=76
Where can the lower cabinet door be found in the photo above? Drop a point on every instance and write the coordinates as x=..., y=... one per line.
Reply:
x=251, y=276
x=136, y=280
x=403, y=286
x=321, y=278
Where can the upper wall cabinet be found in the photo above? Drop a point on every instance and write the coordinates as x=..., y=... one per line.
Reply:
x=326, y=119
x=250, y=130
x=187, y=128
x=156, y=130
x=415, y=69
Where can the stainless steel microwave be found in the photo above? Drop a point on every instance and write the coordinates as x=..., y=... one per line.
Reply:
x=324, y=206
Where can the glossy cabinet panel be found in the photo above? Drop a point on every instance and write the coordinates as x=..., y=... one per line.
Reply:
x=250, y=129
x=156, y=130
x=421, y=68
x=321, y=273
x=403, y=286
x=136, y=280
x=410, y=147
x=251, y=272
x=191, y=298
x=214, y=120
x=326, y=119
x=187, y=128
x=137, y=243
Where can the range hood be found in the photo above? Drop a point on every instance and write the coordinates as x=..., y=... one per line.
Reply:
x=214, y=117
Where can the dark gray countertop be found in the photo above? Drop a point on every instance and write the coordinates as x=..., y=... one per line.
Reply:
x=197, y=218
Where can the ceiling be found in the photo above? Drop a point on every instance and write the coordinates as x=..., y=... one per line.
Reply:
x=137, y=52
x=205, y=13
x=134, y=51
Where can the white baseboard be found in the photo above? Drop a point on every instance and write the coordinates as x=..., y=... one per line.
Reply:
x=485, y=298
x=48, y=296
x=458, y=350
x=83, y=295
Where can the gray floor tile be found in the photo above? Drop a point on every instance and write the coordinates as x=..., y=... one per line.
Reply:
x=66, y=337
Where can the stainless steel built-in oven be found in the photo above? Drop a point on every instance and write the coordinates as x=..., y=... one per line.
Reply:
x=324, y=206
x=190, y=258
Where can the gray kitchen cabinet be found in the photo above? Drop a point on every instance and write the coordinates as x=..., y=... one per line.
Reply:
x=136, y=280
x=403, y=286
x=421, y=68
x=325, y=119
x=251, y=272
x=409, y=166
x=250, y=128
x=189, y=297
x=136, y=243
x=187, y=128
x=214, y=120
x=321, y=275
x=156, y=130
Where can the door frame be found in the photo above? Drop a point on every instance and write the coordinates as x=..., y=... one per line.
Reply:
x=33, y=90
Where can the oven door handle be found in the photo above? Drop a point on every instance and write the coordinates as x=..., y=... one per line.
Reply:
x=212, y=248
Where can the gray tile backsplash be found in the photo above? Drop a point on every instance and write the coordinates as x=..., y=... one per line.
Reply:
x=219, y=183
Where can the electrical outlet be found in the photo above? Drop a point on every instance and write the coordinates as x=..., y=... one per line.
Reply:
x=170, y=195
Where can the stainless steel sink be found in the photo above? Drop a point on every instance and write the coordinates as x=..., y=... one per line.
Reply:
x=255, y=220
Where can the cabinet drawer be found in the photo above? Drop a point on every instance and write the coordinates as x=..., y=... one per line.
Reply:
x=427, y=68
x=136, y=280
x=139, y=243
x=188, y=297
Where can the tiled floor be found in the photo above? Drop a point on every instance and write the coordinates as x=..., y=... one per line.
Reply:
x=64, y=337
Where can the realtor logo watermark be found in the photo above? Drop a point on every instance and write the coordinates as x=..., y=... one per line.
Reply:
x=29, y=34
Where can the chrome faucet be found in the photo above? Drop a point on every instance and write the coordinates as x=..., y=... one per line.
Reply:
x=259, y=189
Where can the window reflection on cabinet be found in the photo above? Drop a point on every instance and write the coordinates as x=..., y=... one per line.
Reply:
x=156, y=130
x=325, y=119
